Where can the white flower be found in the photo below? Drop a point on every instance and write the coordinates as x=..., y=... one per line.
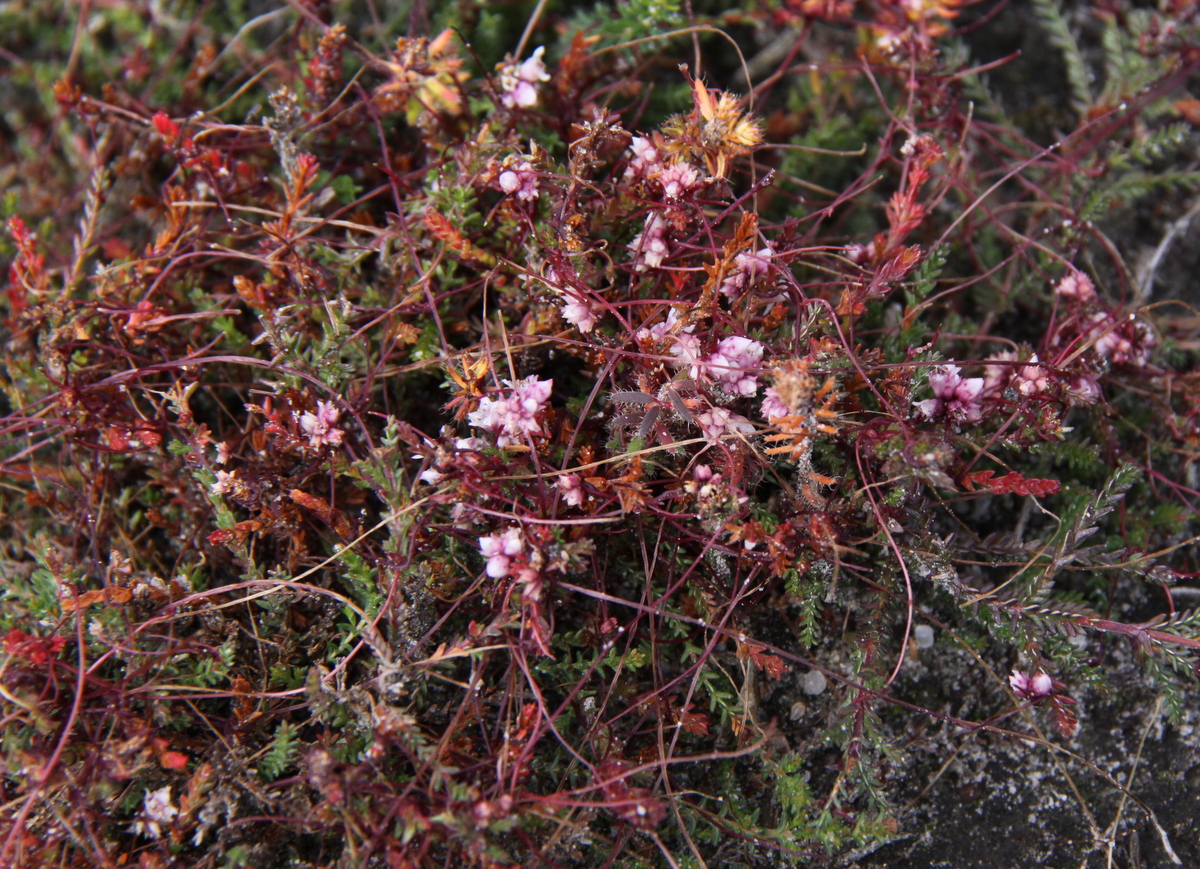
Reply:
x=156, y=809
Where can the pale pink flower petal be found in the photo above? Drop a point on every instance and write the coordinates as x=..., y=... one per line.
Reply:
x=518, y=82
x=572, y=489
x=773, y=406
x=1076, y=285
x=521, y=181
x=321, y=426
x=735, y=365
x=955, y=396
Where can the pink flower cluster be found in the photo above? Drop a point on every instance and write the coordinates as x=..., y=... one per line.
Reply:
x=677, y=179
x=773, y=406
x=1126, y=341
x=1075, y=285
x=716, y=421
x=515, y=415
x=321, y=427
x=735, y=365
x=506, y=556
x=955, y=396
x=646, y=159
x=520, y=180
x=571, y=488
x=500, y=550
x=578, y=312
x=747, y=268
x=1031, y=687
x=650, y=245
x=1032, y=378
x=518, y=81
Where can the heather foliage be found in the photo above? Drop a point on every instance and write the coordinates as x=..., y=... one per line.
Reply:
x=462, y=438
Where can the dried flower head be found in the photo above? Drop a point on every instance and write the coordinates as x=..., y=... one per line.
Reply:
x=716, y=131
x=425, y=76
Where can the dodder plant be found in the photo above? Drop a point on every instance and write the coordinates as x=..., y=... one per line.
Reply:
x=425, y=455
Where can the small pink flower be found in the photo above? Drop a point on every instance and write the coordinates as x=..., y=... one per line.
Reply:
x=646, y=158
x=660, y=330
x=222, y=452
x=773, y=406
x=677, y=179
x=1075, y=285
x=1083, y=389
x=717, y=421
x=748, y=267
x=955, y=396
x=572, y=489
x=650, y=245
x=321, y=427
x=518, y=82
x=704, y=474
x=735, y=365
x=1124, y=342
x=579, y=313
x=224, y=482
x=521, y=181
x=686, y=350
x=1031, y=687
x=1032, y=378
x=515, y=415
x=997, y=373
x=500, y=550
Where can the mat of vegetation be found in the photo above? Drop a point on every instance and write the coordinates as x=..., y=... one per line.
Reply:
x=655, y=433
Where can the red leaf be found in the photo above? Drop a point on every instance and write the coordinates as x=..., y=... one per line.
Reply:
x=173, y=760
x=695, y=723
x=1011, y=483
x=772, y=665
x=167, y=128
